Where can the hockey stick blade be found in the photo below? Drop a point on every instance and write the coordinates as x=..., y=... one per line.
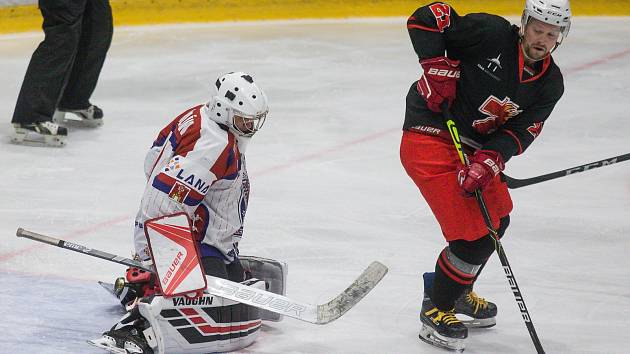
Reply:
x=317, y=314
x=513, y=183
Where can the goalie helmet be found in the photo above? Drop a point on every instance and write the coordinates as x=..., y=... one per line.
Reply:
x=238, y=104
x=553, y=12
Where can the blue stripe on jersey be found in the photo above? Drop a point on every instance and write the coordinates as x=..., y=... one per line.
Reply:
x=230, y=158
x=173, y=139
x=192, y=201
x=231, y=177
x=162, y=185
x=206, y=250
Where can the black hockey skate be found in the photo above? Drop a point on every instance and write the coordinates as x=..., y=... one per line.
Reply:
x=126, y=337
x=91, y=116
x=123, y=341
x=441, y=328
x=46, y=133
x=482, y=313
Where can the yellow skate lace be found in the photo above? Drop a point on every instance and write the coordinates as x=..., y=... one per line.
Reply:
x=476, y=301
x=447, y=317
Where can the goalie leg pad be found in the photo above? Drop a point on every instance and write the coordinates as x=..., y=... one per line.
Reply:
x=200, y=325
x=273, y=272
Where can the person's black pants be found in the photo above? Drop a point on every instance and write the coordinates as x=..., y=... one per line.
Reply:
x=65, y=67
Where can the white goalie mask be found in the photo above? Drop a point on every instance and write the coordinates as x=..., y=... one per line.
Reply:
x=239, y=104
x=553, y=12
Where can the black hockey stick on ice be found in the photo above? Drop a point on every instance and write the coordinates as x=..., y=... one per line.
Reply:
x=317, y=314
x=517, y=183
x=81, y=249
x=452, y=128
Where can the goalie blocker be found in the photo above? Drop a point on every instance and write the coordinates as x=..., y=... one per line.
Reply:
x=179, y=317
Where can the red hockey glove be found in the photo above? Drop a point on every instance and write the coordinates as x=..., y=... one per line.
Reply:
x=484, y=165
x=438, y=81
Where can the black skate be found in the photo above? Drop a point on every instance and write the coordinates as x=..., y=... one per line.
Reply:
x=127, y=336
x=441, y=328
x=482, y=313
x=123, y=341
x=91, y=116
x=46, y=133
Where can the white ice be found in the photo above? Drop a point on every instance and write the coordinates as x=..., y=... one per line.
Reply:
x=329, y=194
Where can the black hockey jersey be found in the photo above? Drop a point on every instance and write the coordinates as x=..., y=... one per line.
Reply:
x=501, y=103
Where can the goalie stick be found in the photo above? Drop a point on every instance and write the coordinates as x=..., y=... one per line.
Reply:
x=507, y=269
x=517, y=183
x=314, y=313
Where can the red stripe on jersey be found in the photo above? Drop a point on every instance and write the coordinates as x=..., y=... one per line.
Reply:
x=412, y=23
x=518, y=141
x=188, y=130
x=227, y=163
x=521, y=65
x=159, y=141
x=423, y=28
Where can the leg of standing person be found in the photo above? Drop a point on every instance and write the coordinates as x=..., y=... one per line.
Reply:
x=431, y=163
x=48, y=69
x=95, y=40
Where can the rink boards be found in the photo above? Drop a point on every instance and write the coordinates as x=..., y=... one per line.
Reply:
x=23, y=15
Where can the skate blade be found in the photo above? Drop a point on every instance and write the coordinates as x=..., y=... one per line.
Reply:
x=35, y=139
x=479, y=323
x=429, y=336
x=107, y=345
x=74, y=120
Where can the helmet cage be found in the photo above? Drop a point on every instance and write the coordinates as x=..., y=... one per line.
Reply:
x=253, y=123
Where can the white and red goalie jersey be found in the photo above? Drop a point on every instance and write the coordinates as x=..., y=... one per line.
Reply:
x=195, y=166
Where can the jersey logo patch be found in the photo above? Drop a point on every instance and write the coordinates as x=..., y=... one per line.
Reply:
x=535, y=129
x=494, y=63
x=498, y=112
x=442, y=14
x=179, y=192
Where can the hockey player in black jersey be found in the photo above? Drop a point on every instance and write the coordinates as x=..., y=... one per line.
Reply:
x=501, y=84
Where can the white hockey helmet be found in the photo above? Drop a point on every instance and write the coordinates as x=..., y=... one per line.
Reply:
x=553, y=12
x=237, y=97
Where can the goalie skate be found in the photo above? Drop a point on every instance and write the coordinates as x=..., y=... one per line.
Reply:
x=126, y=340
x=41, y=133
x=90, y=117
x=109, y=344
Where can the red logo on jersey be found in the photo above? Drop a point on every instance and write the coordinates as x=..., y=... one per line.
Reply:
x=442, y=14
x=498, y=112
x=535, y=129
x=179, y=192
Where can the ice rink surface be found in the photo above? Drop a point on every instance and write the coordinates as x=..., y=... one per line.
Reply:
x=329, y=194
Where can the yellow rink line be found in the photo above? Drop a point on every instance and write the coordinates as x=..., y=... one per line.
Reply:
x=142, y=12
